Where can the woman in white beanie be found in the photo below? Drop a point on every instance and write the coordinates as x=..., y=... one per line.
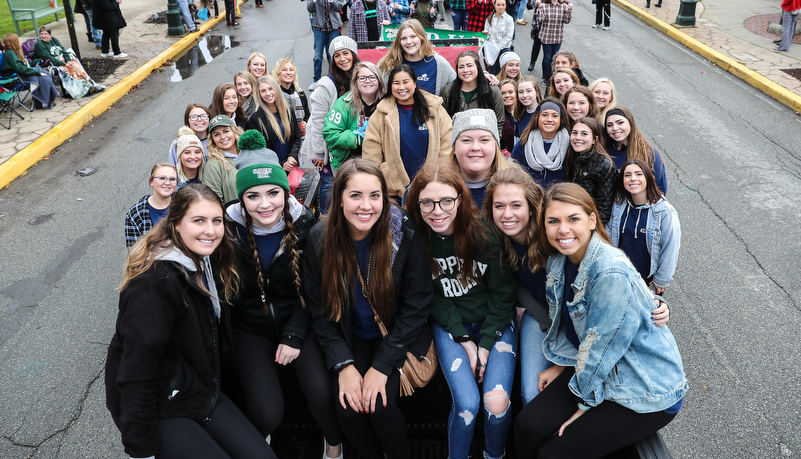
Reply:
x=510, y=66
x=190, y=157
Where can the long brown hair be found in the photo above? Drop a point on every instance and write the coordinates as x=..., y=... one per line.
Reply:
x=636, y=147
x=534, y=195
x=468, y=230
x=569, y=72
x=651, y=189
x=584, y=92
x=11, y=42
x=534, y=124
x=339, y=263
x=218, y=108
x=289, y=243
x=597, y=148
x=164, y=236
x=570, y=193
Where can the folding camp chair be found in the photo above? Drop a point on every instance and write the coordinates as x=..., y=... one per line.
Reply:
x=7, y=99
x=15, y=84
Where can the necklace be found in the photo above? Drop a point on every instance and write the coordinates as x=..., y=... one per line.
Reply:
x=364, y=284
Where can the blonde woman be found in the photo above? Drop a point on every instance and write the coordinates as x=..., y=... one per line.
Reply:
x=257, y=64
x=245, y=83
x=219, y=172
x=276, y=122
x=286, y=75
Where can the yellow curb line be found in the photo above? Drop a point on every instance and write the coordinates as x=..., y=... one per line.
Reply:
x=774, y=90
x=58, y=134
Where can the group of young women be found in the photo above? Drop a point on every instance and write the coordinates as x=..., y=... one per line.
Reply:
x=428, y=230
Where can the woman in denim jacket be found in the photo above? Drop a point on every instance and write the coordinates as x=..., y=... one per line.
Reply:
x=616, y=378
x=655, y=256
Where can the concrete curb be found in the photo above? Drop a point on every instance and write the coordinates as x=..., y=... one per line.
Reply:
x=18, y=164
x=774, y=90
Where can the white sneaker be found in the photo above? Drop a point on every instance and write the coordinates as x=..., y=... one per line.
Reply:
x=120, y=56
x=606, y=27
x=105, y=54
x=595, y=26
x=312, y=86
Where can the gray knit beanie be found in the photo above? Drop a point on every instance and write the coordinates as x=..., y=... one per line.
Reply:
x=343, y=42
x=508, y=57
x=475, y=118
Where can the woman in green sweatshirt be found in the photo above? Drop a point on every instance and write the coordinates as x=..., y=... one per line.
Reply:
x=74, y=78
x=42, y=88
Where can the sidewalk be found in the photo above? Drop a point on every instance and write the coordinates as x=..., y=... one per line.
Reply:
x=737, y=29
x=732, y=33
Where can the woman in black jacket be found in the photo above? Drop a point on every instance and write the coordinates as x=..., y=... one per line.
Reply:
x=164, y=361
x=108, y=18
x=270, y=321
x=365, y=257
x=590, y=166
x=276, y=122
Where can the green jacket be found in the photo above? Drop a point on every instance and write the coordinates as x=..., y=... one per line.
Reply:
x=12, y=65
x=338, y=130
x=490, y=300
x=221, y=179
x=52, y=51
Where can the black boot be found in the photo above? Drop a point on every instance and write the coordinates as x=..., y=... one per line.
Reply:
x=531, y=67
x=647, y=3
x=659, y=4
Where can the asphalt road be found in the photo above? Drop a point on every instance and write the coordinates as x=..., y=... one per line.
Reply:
x=732, y=157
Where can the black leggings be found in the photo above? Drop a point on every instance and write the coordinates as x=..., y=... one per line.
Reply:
x=602, y=11
x=113, y=36
x=598, y=432
x=254, y=359
x=383, y=431
x=229, y=434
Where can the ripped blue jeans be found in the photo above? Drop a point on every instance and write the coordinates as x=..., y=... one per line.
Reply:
x=467, y=400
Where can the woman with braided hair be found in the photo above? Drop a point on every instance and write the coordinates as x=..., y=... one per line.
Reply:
x=270, y=321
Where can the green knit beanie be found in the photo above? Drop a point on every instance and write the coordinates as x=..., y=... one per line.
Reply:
x=257, y=164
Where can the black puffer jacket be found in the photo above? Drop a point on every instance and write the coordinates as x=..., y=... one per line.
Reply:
x=411, y=275
x=164, y=358
x=287, y=320
x=106, y=15
x=597, y=175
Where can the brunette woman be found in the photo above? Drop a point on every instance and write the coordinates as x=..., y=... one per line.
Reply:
x=245, y=85
x=256, y=65
x=624, y=141
x=578, y=102
x=344, y=52
x=225, y=101
x=363, y=261
x=190, y=157
x=473, y=307
x=510, y=103
x=411, y=47
x=476, y=152
x=346, y=124
x=561, y=80
x=218, y=171
x=409, y=127
x=543, y=144
x=652, y=237
x=471, y=90
x=567, y=60
x=552, y=16
x=164, y=362
x=500, y=30
x=270, y=321
x=154, y=207
x=590, y=166
x=276, y=122
x=529, y=98
x=625, y=373
x=285, y=74
x=196, y=117
x=43, y=89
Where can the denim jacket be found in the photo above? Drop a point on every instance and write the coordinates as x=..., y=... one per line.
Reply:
x=623, y=356
x=663, y=236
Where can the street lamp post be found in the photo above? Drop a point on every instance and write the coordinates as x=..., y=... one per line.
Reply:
x=686, y=16
x=175, y=22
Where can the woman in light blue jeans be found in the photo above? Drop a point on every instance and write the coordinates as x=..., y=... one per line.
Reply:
x=474, y=332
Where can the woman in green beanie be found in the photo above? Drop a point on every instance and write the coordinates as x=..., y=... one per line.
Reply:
x=218, y=172
x=270, y=322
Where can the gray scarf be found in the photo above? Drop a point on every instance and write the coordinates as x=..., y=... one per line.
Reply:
x=536, y=157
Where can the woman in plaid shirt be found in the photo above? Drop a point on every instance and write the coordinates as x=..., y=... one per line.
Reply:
x=552, y=16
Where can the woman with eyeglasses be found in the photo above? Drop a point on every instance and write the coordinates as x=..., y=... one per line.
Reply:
x=154, y=207
x=197, y=117
x=473, y=306
x=347, y=121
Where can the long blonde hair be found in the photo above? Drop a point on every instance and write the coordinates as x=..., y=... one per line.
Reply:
x=281, y=109
x=215, y=153
x=394, y=56
x=277, y=71
x=356, y=100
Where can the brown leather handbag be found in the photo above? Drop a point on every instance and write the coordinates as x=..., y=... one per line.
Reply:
x=416, y=371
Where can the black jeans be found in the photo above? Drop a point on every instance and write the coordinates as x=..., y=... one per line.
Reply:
x=228, y=434
x=254, y=360
x=383, y=431
x=602, y=11
x=600, y=431
x=113, y=36
x=230, y=10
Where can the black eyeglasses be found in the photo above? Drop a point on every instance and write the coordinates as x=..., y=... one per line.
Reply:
x=198, y=117
x=362, y=79
x=446, y=204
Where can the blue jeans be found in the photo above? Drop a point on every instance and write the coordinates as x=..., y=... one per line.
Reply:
x=521, y=8
x=183, y=5
x=532, y=361
x=321, y=42
x=326, y=181
x=548, y=52
x=96, y=35
x=464, y=390
x=459, y=19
